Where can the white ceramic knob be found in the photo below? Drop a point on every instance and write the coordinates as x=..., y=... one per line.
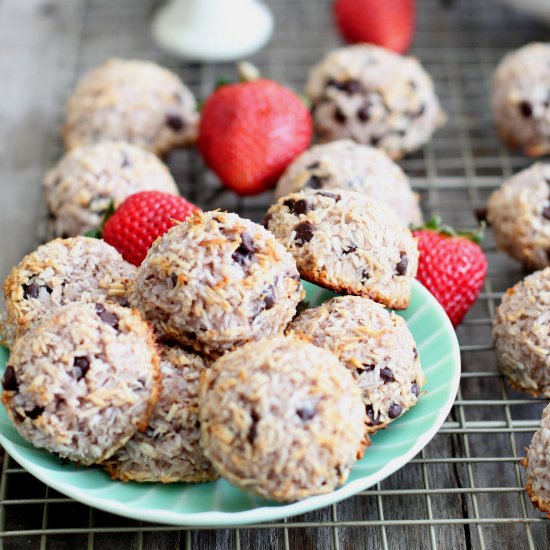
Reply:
x=213, y=30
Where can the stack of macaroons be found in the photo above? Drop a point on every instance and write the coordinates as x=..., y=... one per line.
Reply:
x=139, y=390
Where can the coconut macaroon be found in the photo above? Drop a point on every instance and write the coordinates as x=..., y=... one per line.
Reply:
x=521, y=101
x=349, y=165
x=537, y=463
x=134, y=101
x=519, y=214
x=520, y=332
x=59, y=272
x=80, y=187
x=82, y=381
x=375, y=345
x=281, y=418
x=168, y=450
x=374, y=96
x=347, y=242
x=217, y=281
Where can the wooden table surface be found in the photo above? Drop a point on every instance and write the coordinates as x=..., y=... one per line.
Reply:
x=465, y=489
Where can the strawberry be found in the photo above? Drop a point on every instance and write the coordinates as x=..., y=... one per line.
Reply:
x=387, y=23
x=452, y=266
x=251, y=131
x=140, y=219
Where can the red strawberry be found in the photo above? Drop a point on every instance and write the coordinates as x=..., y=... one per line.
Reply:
x=140, y=219
x=251, y=131
x=452, y=267
x=387, y=23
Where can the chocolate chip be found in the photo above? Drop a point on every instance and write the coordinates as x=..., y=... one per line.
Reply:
x=30, y=291
x=80, y=367
x=419, y=112
x=481, y=214
x=339, y=116
x=350, y=86
x=33, y=290
x=253, y=430
x=289, y=203
x=106, y=316
x=372, y=420
x=266, y=219
x=269, y=299
x=306, y=412
x=304, y=233
x=314, y=182
x=34, y=413
x=247, y=243
x=302, y=206
x=415, y=353
x=365, y=276
x=375, y=140
x=174, y=279
x=366, y=367
x=125, y=162
x=9, y=381
x=415, y=389
x=313, y=165
x=174, y=122
x=245, y=250
x=386, y=375
x=351, y=248
x=546, y=212
x=526, y=109
x=395, y=410
x=401, y=267
x=363, y=113
x=333, y=196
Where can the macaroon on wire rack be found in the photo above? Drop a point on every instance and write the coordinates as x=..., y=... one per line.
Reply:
x=465, y=489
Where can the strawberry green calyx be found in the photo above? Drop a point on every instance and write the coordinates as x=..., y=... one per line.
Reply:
x=435, y=224
x=97, y=232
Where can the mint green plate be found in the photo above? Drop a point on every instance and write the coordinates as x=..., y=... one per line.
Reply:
x=218, y=503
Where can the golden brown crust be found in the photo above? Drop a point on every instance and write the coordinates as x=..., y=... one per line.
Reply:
x=533, y=151
x=542, y=505
x=199, y=477
x=319, y=278
x=516, y=386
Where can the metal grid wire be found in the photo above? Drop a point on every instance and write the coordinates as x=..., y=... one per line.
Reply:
x=465, y=489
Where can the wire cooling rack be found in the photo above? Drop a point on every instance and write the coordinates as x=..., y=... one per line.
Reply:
x=465, y=490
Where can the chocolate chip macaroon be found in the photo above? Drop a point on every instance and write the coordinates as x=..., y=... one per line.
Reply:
x=168, y=451
x=347, y=242
x=537, y=463
x=344, y=164
x=134, y=101
x=375, y=345
x=519, y=214
x=520, y=333
x=376, y=97
x=281, y=418
x=520, y=98
x=82, y=381
x=217, y=281
x=80, y=187
x=57, y=273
